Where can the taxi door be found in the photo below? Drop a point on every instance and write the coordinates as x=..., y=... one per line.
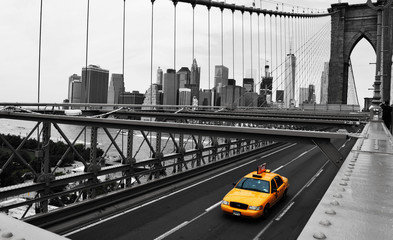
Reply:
x=280, y=186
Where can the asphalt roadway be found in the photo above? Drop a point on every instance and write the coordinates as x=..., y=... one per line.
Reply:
x=193, y=212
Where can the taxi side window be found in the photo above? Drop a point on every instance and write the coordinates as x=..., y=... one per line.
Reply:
x=274, y=185
x=278, y=181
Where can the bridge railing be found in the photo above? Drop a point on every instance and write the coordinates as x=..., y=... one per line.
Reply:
x=170, y=153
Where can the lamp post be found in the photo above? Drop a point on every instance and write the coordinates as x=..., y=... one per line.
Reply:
x=375, y=109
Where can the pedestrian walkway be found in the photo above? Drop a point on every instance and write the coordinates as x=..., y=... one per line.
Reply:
x=359, y=202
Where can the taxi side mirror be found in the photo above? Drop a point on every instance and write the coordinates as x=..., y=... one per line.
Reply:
x=234, y=184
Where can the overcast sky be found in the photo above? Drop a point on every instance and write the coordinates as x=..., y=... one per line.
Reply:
x=64, y=43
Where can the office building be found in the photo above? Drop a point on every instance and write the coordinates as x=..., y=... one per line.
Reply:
x=160, y=76
x=74, y=89
x=185, y=97
x=195, y=78
x=184, y=76
x=248, y=84
x=94, y=84
x=220, y=82
x=205, y=97
x=280, y=96
x=325, y=84
x=303, y=95
x=116, y=88
x=170, y=87
x=289, y=81
x=133, y=97
x=73, y=78
x=311, y=93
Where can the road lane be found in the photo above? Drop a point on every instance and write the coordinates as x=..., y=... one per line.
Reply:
x=184, y=215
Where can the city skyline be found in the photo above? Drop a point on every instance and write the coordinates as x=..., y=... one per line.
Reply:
x=64, y=35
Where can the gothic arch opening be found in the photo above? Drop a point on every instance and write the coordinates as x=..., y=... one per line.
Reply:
x=362, y=59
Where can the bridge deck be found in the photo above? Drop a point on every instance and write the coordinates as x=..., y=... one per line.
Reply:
x=358, y=203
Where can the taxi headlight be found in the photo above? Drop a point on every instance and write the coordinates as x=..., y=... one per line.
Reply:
x=224, y=202
x=255, y=208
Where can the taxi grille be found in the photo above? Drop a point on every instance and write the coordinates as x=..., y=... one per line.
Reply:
x=238, y=205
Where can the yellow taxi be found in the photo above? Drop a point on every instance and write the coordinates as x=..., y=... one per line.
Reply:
x=255, y=193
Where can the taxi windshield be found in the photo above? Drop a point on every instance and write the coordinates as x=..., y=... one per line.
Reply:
x=252, y=184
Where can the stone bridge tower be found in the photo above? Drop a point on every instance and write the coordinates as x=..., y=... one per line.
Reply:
x=350, y=24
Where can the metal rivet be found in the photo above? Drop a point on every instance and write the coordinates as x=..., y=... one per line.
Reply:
x=325, y=222
x=347, y=174
x=319, y=235
x=349, y=171
x=343, y=183
x=330, y=212
x=20, y=239
x=350, y=167
x=7, y=235
x=337, y=195
x=351, y=164
x=335, y=203
x=341, y=189
x=345, y=178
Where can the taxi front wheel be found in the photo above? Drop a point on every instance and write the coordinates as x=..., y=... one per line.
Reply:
x=266, y=211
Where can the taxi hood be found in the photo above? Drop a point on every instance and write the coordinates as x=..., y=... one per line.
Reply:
x=248, y=197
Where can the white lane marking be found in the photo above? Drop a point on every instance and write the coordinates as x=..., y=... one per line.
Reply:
x=171, y=231
x=275, y=170
x=173, y=193
x=301, y=190
x=315, y=177
x=212, y=207
x=285, y=211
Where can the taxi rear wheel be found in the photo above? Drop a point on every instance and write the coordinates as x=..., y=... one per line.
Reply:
x=285, y=194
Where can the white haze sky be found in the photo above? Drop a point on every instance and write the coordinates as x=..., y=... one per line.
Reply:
x=64, y=42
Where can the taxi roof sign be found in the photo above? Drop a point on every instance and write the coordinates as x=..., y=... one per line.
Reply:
x=261, y=168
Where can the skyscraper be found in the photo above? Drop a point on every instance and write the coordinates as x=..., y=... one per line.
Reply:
x=220, y=82
x=195, y=73
x=290, y=80
x=170, y=87
x=184, y=76
x=248, y=84
x=160, y=76
x=195, y=79
x=311, y=93
x=94, y=84
x=303, y=95
x=74, y=89
x=325, y=84
x=116, y=88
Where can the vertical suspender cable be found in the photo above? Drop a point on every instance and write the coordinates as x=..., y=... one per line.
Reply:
x=276, y=49
x=251, y=43
x=281, y=48
x=193, y=32
x=259, y=57
x=271, y=44
x=222, y=36
x=243, y=44
x=124, y=30
x=233, y=43
x=264, y=32
x=208, y=40
x=122, y=67
x=151, y=51
x=39, y=70
x=87, y=80
x=39, y=56
x=174, y=34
